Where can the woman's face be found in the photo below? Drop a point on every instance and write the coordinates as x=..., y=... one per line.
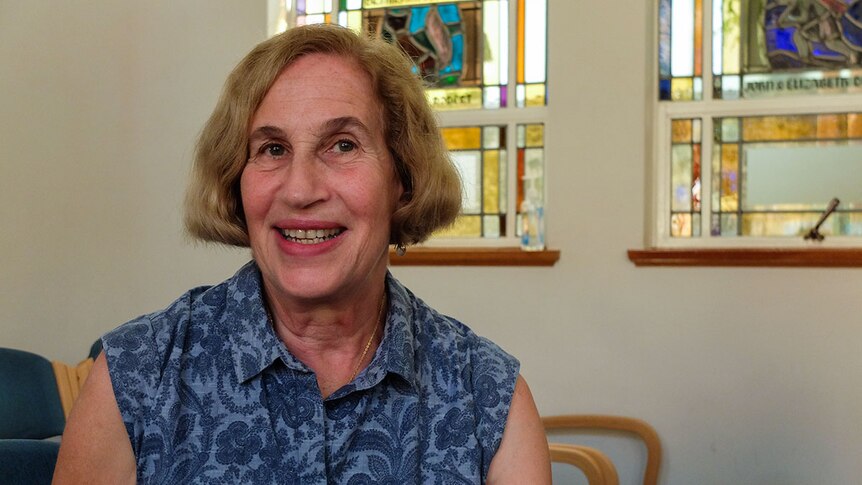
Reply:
x=320, y=187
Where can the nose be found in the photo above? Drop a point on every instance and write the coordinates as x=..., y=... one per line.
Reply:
x=305, y=182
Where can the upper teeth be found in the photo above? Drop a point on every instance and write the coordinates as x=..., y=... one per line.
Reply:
x=310, y=235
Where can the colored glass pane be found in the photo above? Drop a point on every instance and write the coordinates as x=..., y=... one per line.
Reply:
x=491, y=181
x=491, y=137
x=680, y=225
x=729, y=177
x=681, y=89
x=469, y=138
x=681, y=164
x=681, y=131
x=682, y=35
x=534, y=135
x=464, y=226
x=534, y=95
x=765, y=128
x=698, y=38
x=495, y=22
x=854, y=125
x=664, y=39
x=492, y=226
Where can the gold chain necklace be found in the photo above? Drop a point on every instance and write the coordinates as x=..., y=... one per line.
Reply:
x=271, y=319
x=368, y=344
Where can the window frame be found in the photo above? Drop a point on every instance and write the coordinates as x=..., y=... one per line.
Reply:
x=491, y=251
x=661, y=113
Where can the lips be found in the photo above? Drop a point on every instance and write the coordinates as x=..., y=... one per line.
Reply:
x=310, y=236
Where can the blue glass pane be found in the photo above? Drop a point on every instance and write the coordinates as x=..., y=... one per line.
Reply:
x=449, y=13
x=664, y=89
x=417, y=18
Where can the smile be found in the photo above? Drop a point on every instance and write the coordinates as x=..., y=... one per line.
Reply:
x=310, y=236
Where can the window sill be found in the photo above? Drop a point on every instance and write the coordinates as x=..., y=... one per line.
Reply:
x=766, y=257
x=428, y=256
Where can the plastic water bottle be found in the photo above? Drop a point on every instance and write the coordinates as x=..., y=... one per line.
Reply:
x=532, y=223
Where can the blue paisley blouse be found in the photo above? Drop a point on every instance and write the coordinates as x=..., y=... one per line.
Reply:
x=209, y=394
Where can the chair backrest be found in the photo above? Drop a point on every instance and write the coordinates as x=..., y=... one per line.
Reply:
x=615, y=423
x=30, y=406
x=594, y=464
x=70, y=381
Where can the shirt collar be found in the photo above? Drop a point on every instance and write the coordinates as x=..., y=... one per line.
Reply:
x=255, y=346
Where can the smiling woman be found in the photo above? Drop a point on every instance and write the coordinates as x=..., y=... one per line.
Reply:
x=312, y=364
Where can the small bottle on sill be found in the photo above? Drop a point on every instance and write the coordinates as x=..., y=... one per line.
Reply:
x=532, y=223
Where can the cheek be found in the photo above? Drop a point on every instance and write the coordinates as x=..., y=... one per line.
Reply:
x=252, y=196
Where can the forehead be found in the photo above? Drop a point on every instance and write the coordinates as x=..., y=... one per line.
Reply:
x=318, y=87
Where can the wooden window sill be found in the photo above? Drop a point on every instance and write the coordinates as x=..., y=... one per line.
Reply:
x=769, y=257
x=427, y=256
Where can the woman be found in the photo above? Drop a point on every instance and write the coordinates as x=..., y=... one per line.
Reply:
x=312, y=364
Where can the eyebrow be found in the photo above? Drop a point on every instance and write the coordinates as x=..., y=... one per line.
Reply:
x=264, y=132
x=338, y=124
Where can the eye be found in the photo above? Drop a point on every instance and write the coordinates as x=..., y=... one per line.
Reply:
x=344, y=146
x=274, y=150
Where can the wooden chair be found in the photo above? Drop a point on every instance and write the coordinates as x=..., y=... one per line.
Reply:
x=70, y=380
x=595, y=465
x=615, y=423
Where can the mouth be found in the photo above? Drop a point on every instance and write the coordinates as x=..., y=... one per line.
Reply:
x=310, y=236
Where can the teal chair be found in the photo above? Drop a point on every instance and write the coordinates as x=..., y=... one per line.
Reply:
x=30, y=411
x=30, y=406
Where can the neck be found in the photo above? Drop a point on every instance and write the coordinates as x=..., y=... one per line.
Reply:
x=334, y=340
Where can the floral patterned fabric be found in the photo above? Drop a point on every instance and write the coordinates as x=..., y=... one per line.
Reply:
x=208, y=393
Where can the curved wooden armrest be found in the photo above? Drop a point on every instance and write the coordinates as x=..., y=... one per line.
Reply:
x=595, y=465
x=617, y=423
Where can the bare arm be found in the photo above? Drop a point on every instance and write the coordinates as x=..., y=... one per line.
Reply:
x=523, y=455
x=95, y=447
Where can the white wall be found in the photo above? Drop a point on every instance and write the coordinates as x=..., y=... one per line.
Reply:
x=100, y=105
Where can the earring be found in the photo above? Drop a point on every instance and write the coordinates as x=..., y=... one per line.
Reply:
x=400, y=249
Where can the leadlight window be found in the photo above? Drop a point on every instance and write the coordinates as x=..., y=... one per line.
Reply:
x=484, y=64
x=770, y=102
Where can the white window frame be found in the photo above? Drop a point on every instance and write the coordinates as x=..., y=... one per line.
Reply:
x=663, y=112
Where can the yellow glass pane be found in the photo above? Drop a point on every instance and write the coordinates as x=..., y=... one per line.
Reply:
x=354, y=20
x=729, y=177
x=534, y=135
x=831, y=126
x=681, y=131
x=521, y=41
x=680, y=225
x=401, y=3
x=491, y=181
x=776, y=128
x=535, y=95
x=731, y=36
x=464, y=226
x=854, y=125
x=454, y=98
x=681, y=89
x=469, y=138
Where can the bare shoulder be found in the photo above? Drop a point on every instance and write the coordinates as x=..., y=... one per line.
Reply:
x=523, y=454
x=95, y=447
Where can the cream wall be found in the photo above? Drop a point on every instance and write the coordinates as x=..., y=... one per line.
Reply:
x=100, y=105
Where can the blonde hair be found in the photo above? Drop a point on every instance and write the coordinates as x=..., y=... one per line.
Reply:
x=432, y=188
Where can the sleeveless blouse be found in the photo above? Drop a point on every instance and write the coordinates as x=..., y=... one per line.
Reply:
x=208, y=393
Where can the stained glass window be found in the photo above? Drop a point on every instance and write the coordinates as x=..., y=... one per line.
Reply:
x=485, y=60
x=479, y=153
x=780, y=137
x=775, y=175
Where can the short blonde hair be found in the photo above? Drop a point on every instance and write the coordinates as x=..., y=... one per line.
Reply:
x=432, y=187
